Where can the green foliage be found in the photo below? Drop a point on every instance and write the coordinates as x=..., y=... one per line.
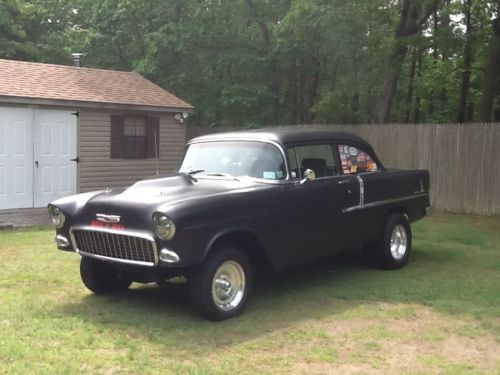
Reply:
x=247, y=62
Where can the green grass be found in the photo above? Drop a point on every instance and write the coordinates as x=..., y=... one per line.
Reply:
x=440, y=314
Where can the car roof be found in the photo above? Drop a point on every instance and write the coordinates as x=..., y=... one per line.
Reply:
x=283, y=136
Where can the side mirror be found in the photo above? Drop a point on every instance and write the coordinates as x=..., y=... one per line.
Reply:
x=309, y=175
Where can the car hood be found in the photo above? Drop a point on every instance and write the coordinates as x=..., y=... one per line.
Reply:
x=163, y=194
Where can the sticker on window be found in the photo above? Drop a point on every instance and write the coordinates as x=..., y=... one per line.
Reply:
x=269, y=175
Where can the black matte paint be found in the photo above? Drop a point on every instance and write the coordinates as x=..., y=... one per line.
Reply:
x=293, y=222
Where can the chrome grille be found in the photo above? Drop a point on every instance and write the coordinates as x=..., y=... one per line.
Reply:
x=118, y=246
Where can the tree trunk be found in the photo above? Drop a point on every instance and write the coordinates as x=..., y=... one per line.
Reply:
x=411, y=85
x=435, y=57
x=464, y=87
x=271, y=70
x=491, y=74
x=418, y=98
x=410, y=23
x=311, y=78
x=445, y=24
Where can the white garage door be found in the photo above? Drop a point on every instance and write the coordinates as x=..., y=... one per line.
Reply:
x=16, y=157
x=36, y=148
x=55, y=146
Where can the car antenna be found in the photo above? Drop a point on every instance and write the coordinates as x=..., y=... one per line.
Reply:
x=156, y=151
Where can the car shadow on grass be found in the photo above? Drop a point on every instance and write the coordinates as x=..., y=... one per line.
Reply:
x=323, y=290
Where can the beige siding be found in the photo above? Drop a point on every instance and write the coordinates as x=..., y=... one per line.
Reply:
x=98, y=171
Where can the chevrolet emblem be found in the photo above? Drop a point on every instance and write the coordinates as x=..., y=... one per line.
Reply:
x=108, y=218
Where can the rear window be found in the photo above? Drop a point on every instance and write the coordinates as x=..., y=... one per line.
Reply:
x=355, y=160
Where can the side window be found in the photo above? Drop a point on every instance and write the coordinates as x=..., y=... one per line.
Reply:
x=354, y=160
x=319, y=158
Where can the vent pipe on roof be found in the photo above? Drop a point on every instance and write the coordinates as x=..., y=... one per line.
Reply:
x=77, y=59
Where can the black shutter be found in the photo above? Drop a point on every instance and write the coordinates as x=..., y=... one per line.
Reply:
x=117, y=135
x=152, y=133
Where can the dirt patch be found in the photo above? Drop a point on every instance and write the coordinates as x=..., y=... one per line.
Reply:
x=424, y=341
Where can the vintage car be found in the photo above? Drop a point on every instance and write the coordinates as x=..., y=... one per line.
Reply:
x=279, y=197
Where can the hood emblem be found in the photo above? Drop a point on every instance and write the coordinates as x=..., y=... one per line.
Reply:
x=108, y=218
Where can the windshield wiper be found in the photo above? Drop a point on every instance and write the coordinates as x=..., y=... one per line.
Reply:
x=194, y=171
x=222, y=175
x=189, y=174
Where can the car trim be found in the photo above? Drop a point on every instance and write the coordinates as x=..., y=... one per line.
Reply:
x=361, y=191
x=382, y=202
x=116, y=260
x=108, y=218
x=119, y=232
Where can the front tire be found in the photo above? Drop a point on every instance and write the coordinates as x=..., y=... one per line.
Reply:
x=395, y=247
x=101, y=278
x=219, y=287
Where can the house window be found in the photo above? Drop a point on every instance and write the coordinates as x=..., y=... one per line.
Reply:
x=134, y=137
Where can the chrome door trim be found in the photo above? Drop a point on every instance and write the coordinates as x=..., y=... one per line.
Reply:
x=361, y=190
x=382, y=202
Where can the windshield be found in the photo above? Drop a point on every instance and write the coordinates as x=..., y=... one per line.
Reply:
x=238, y=159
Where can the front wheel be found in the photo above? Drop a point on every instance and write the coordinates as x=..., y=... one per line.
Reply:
x=220, y=286
x=102, y=278
x=395, y=246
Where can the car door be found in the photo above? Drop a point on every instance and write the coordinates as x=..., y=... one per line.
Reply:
x=315, y=208
x=356, y=162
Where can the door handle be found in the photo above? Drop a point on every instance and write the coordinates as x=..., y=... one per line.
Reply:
x=343, y=182
x=36, y=163
x=77, y=159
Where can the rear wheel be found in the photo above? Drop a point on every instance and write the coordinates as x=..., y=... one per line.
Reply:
x=102, y=278
x=394, y=247
x=220, y=286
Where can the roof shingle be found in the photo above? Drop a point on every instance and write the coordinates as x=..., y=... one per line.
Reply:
x=67, y=83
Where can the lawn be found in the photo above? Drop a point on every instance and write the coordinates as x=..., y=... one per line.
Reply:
x=440, y=314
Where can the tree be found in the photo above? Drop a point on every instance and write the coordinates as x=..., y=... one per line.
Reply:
x=491, y=77
x=12, y=33
x=413, y=15
x=255, y=62
x=463, y=113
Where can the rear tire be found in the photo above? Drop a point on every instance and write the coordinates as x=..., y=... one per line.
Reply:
x=394, y=247
x=101, y=278
x=219, y=287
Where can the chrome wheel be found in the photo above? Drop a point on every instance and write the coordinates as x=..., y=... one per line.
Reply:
x=228, y=285
x=399, y=242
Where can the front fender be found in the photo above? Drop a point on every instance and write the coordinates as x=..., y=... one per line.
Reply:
x=194, y=243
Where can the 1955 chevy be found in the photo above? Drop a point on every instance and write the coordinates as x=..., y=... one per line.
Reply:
x=283, y=197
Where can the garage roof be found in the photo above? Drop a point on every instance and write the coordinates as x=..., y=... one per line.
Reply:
x=28, y=82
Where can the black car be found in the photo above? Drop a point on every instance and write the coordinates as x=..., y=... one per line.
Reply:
x=281, y=197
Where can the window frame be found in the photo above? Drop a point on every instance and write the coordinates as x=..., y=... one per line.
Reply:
x=362, y=148
x=118, y=138
x=137, y=139
x=335, y=157
x=281, y=149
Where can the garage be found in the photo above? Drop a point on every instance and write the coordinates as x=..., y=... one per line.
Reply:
x=68, y=129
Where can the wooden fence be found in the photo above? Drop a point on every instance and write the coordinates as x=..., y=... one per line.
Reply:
x=463, y=159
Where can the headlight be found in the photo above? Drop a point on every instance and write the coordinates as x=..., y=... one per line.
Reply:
x=164, y=227
x=56, y=216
